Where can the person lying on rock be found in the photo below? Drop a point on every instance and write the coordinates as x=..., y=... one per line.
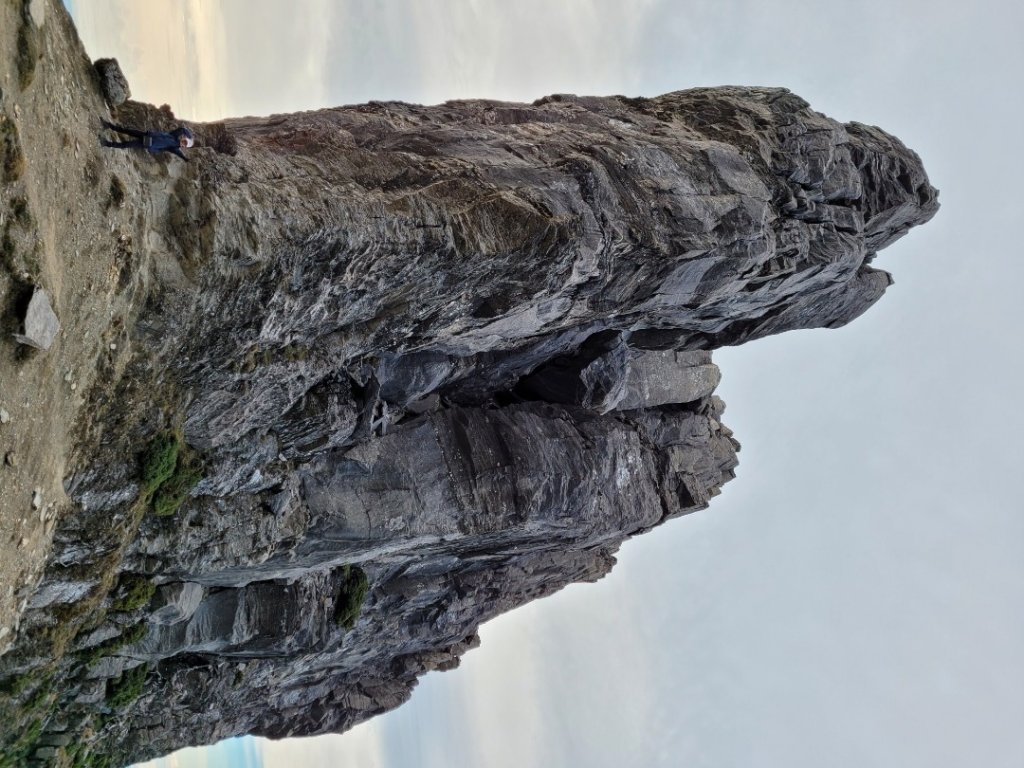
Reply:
x=155, y=141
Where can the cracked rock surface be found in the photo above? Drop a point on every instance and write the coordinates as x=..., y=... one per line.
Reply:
x=462, y=349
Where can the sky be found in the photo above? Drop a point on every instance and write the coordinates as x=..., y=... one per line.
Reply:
x=854, y=597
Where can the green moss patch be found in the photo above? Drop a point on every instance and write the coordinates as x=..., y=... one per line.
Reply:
x=17, y=685
x=169, y=471
x=129, y=637
x=127, y=688
x=349, y=602
x=173, y=493
x=133, y=592
x=159, y=462
x=81, y=759
x=16, y=755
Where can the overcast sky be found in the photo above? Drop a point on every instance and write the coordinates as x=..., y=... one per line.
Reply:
x=854, y=598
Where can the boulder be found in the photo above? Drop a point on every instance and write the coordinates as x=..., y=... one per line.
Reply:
x=112, y=80
x=40, y=325
x=646, y=379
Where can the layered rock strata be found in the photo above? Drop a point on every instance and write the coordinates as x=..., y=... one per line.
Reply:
x=464, y=349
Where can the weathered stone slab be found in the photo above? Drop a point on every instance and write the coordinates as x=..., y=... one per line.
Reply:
x=53, y=592
x=40, y=325
x=645, y=379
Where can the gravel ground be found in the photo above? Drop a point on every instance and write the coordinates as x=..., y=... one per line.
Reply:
x=73, y=218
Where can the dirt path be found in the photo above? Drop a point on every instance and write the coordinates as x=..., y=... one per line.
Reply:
x=70, y=222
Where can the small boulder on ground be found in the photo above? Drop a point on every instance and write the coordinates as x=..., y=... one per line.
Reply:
x=113, y=81
x=40, y=326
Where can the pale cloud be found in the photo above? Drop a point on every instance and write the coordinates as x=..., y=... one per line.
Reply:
x=209, y=50
x=492, y=712
x=313, y=62
x=519, y=701
x=605, y=687
x=433, y=51
x=279, y=54
x=490, y=719
x=171, y=53
x=213, y=60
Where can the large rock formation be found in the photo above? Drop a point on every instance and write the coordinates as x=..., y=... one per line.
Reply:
x=461, y=352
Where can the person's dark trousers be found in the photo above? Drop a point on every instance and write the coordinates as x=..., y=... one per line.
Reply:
x=123, y=129
x=137, y=144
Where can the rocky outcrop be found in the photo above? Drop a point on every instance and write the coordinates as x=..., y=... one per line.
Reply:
x=112, y=82
x=460, y=353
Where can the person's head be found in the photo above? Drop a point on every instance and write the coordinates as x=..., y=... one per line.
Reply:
x=185, y=138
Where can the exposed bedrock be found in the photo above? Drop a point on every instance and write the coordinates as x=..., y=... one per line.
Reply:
x=464, y=349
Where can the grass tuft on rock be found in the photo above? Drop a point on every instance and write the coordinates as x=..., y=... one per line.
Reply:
x=7, y=248
x=127, y=688
x=169, y=471
x=16, y=755
x=133, y=592
x=109, y=647
x=159, y=462
x=15, y=686
x=349, y=602
x=173, y=493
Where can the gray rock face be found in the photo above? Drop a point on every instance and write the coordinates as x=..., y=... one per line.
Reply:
x=627, y=379
x=53, y=592
x=466, y=349
x=112, y=81
x=175, y=603
x=40, y=326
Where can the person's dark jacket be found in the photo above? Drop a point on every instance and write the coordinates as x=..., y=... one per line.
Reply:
x=160, y=141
